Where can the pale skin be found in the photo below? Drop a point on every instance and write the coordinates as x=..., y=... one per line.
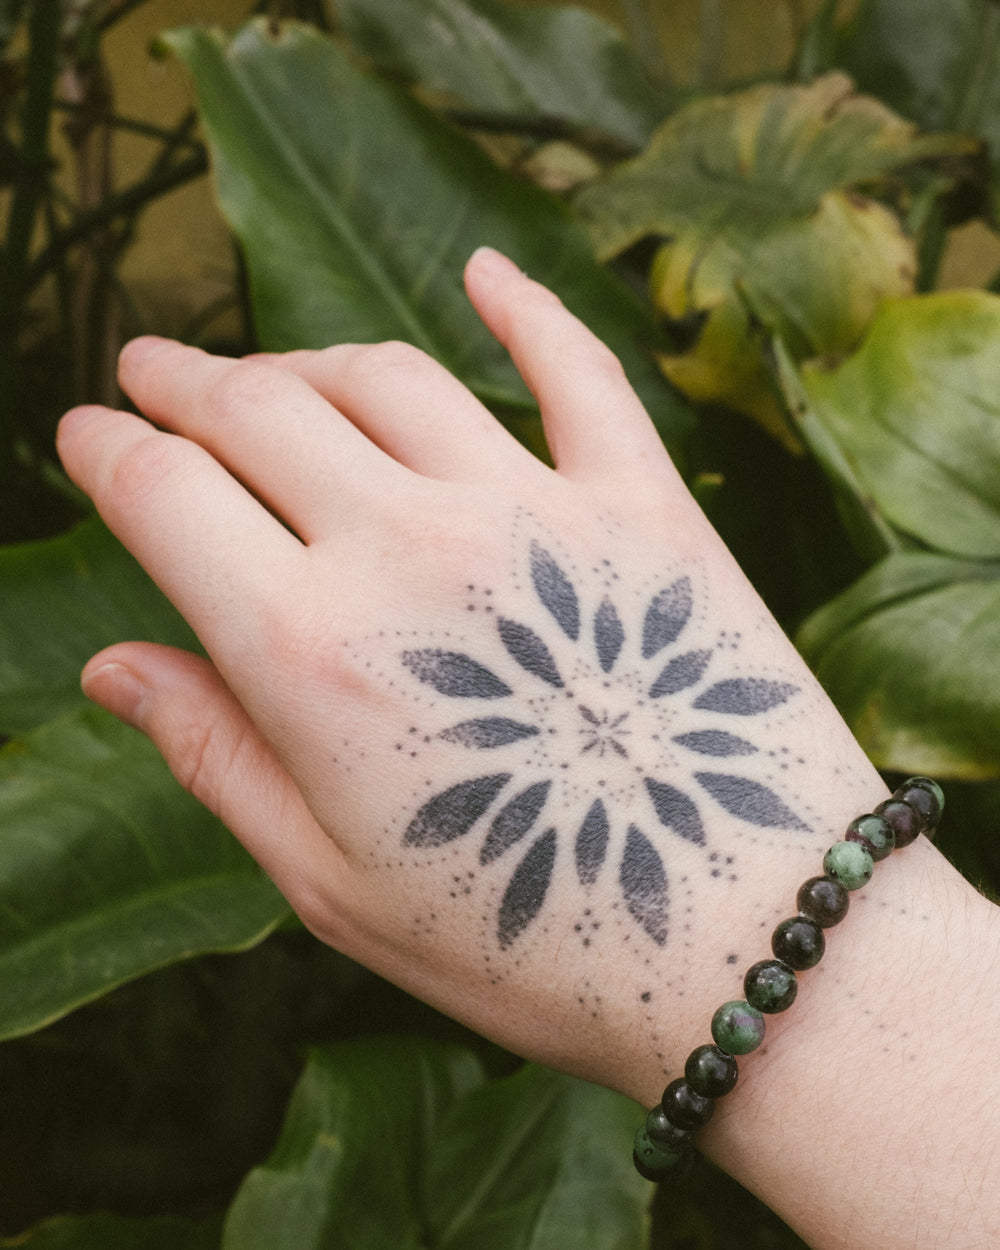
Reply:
x=579, y=853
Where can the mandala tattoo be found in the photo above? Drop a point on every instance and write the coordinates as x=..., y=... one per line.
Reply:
x=606, y=739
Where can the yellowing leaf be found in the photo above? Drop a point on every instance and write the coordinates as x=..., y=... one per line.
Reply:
x=763, y=199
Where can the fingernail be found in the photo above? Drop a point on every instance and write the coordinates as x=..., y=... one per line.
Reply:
x=118, y=690
x=492, y=266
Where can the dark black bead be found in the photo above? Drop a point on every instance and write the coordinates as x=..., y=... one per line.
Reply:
x=770, y=986
x=710, y=1071
x=906, y=821
x=684, y=1107
x=798, y=942
x=925, y=796
x=666, y=1135
x=823, y=900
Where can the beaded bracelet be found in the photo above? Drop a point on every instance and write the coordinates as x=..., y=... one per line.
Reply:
x=664, y=1144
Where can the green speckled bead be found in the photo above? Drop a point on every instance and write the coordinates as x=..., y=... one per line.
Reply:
x=710, y=1071
x=874, y=833
x=737, y=1027
x=770, y=986
x=656, y=1158
x=850, y=863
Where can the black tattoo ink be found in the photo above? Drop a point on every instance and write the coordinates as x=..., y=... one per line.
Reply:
x=644, y=884
x=455, y=675
x=592, y=843
x=715, y=742
x=530, y=652
x=666, y=616
x=488, y=732
x=514, y=820
x=680, y=673
x=750, y=801
x=452, y=813
x=608, y=635
x=556, y=591
x=676, y=811
x=633, y=725
x=525, y=895
x=744, y=696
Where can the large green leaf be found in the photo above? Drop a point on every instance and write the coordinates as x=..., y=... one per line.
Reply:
x=759, y=196
x=401, y=1143
x=937, y=61
x=109, y=870
x=911, y=656
x=357, y=209
x=554, y=62
x=61, y=601
x=540, y=1161
x=347, y=1170
x=915, y=413
x=116, y=1232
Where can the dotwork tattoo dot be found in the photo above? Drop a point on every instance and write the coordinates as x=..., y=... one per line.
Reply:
x=606, y=730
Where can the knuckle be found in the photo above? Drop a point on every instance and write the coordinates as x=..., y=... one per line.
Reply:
x=239, y=387
x=205, y=759
x=371, y=361
x=144, y=467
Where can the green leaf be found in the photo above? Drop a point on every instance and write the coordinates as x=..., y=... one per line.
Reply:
x=910, y=654
x=61, y=601
x=116, y=1232
x=916, y=414
x=759, y=196
x=727, y=166
x=347, y=1168
x=401, y=1143
x=357, y=209
x=537, y=1160
x=109, y=870
x=937, y=61
x=557, y=62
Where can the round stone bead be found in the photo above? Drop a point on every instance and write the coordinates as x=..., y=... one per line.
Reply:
x=927, y=797
x=737, y=1027
x=850, y=863
x=770, y=986
x=710, y=1071
x=823, y=900
x=653, y=1157
x=799, y=943
x=906, y=821
x=873, y=833
x=683, y=1107
x=666, y=1136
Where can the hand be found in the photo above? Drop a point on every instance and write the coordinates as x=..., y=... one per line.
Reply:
x=521, y=739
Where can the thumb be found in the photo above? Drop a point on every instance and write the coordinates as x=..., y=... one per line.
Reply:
x=218, y=754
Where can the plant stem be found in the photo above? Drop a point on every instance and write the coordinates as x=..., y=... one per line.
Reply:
x=43, y=33
x=124, y=204
x=17, y=494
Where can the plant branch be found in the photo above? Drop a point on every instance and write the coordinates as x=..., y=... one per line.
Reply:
x=43, y=34
x=123, y=204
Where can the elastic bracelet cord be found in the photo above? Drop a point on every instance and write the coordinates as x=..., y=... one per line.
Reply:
x=664, y=1144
